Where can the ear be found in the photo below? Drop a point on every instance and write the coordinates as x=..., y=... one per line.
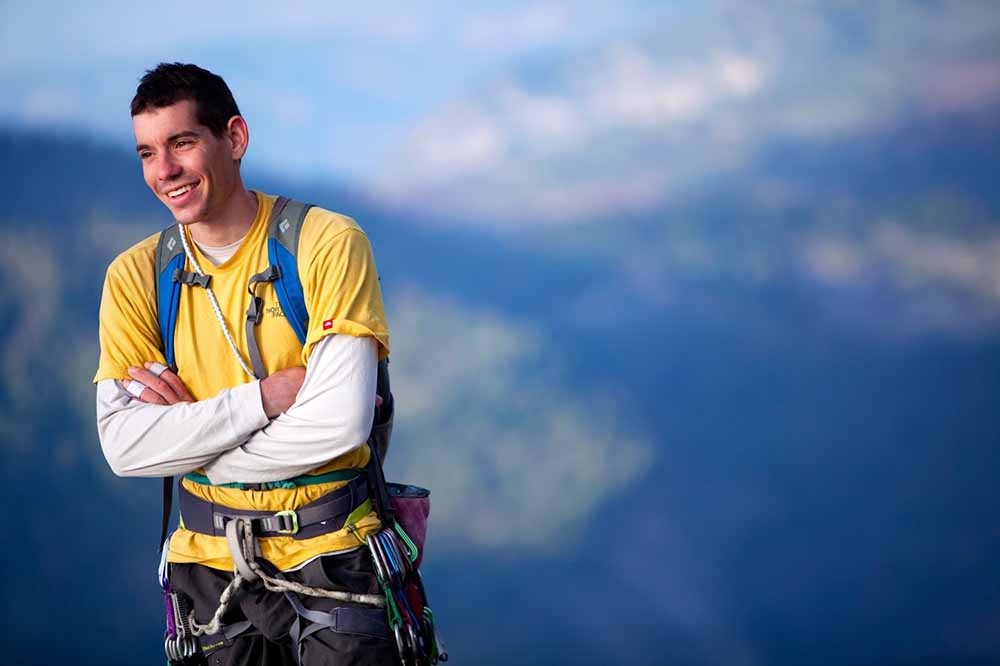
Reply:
x=239, y=136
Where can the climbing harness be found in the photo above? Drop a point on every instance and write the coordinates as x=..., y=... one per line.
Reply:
x=404, y=614
x=328, y=513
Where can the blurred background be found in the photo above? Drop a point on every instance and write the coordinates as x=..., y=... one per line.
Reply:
x=719, y=287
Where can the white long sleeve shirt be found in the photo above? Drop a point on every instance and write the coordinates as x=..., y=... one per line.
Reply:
x=230, y=435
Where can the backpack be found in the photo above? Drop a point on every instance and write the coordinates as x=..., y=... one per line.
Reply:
x=283, y=230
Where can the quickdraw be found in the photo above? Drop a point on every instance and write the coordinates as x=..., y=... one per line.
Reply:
x=410, y=618
x=179, y=642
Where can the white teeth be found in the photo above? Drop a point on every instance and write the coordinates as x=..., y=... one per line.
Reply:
x=179, y=191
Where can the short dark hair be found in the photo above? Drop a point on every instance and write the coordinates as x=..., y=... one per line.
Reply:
x=170, y=83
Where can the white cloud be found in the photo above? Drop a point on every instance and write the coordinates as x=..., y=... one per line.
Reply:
x=492, y=157
x=543, y=117
x=567, y=202
x=969, y=265
x=925, y=282
x=462, y=141
x=633, y=90
x=48, y=105
x=739, y=74
x=696, y=99
x=833, y=261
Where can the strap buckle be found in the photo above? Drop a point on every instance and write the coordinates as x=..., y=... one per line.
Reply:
x=292, y=517
x=191, y=279
x=256, y=310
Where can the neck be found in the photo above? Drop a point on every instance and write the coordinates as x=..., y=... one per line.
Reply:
x=233, y=222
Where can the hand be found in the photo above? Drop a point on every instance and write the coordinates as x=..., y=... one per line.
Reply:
x=163, y=389
x=278, y=391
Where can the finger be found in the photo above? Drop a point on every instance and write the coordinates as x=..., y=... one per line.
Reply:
x=154, y=367
x=171, y=378
x=155, y=383
x=135, y=388
x=151, y=396
x=378, y=400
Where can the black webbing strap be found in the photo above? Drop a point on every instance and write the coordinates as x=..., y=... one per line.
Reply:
x=380, y=493
x=341, y=619
x=254, y=313
x=322, y=516
x=168, y=502
x=210, y=643
x=381, y=431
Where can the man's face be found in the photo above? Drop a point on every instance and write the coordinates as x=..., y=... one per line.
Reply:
x=188, y=168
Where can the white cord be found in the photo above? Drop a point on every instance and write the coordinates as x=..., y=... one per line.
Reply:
x=215, y=306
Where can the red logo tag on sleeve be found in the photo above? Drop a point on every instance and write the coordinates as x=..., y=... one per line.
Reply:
x=328, y=324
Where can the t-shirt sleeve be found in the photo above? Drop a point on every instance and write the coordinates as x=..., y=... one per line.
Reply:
x=129, y=331
x=342, y=290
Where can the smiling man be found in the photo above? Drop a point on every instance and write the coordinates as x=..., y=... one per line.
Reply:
x=264, y=415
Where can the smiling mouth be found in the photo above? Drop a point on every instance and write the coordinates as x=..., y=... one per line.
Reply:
x=173, y=194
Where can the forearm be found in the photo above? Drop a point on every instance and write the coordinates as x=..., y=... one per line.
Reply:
x=141, y=439
x=331, y=416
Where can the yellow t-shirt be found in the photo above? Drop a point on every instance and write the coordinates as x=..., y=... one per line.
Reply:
x=342, y=295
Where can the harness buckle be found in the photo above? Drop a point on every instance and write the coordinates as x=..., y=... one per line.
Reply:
x=292, y=517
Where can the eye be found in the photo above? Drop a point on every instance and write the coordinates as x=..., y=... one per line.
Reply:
x=145, y=155
x=182, y=143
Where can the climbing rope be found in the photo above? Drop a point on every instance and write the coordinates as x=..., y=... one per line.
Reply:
x=272, y=584
x=215, y=305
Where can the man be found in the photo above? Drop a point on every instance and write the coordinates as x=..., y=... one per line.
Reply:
x=257, y=445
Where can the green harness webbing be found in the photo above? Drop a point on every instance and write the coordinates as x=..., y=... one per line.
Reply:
x=298, y=481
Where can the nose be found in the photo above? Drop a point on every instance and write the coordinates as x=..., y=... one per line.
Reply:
x=167, y=168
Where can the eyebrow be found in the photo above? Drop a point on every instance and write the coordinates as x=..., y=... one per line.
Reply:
x=170, y=139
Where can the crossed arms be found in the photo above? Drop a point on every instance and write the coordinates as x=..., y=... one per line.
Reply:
x=252, y=433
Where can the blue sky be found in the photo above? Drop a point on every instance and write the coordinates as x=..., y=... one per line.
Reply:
x=337, y=88
x=490, y=109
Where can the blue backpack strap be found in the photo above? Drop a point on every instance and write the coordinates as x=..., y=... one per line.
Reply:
x=283, y=232
x=169, y=260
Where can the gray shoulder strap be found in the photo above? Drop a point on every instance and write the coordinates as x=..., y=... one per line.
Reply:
x=286, y=222
x=167, y=248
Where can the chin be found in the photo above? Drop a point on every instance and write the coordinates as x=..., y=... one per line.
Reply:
x=186, y=215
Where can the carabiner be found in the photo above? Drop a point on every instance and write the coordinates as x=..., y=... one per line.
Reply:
x=380, y=573
x=401, y=646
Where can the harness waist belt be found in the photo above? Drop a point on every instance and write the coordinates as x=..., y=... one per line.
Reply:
x=327, y=514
